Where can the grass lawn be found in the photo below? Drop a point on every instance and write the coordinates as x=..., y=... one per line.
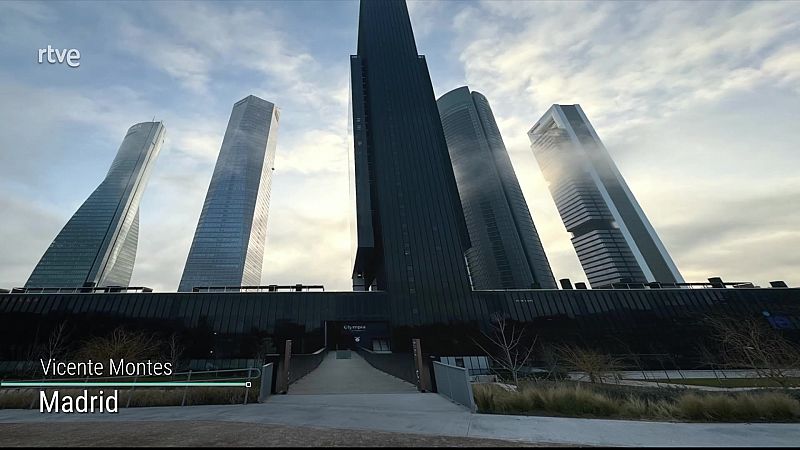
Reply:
x=730, y=382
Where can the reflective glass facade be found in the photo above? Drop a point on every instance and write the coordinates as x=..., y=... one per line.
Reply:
x=670, y=322
x=98, y=244
x=612, y=236
x=506, y=251
x=228, y=245
x=410, y=226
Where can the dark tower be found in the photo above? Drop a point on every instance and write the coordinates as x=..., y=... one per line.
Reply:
x=506, y=250
x=410, y=226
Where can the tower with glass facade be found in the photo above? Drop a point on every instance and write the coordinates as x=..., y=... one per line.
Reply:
x=228, y=245
x=97, y=246
x=506, y=251
x=612, y=236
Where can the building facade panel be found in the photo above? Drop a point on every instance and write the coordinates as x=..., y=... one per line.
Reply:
x=614, y=240
x=228, y=244
x=506, y=251
x=98, y=244
x=411, y=229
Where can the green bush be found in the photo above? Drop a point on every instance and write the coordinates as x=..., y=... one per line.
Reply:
x=578, y=400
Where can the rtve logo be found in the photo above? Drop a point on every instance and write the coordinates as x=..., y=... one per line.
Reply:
x=55, y=56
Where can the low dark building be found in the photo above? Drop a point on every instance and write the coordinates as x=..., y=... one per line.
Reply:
x=666, y=322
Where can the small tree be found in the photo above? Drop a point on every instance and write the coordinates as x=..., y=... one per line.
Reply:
x=54, y=348
x=122, y=343
x=597, y=366
x=174, y=351
x=708, y=358
x=748, y=344
x=509, y=347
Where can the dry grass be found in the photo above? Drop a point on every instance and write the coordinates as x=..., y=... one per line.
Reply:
x=583, y=401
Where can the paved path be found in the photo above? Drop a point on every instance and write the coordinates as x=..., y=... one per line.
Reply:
x=430, y=414
x=217, y=434
x=349, y=376
x=696, y=387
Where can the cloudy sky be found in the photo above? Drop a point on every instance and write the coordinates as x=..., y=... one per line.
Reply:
x=698, y=103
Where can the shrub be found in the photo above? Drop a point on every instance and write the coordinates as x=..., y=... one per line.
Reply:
x=635, y=407
x=484, y=397
x=583, y=400
x=577, y=401
x=16, y=399
x=740, y=407
x=776, y=406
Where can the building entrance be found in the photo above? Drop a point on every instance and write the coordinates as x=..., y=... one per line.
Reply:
x=352, y=335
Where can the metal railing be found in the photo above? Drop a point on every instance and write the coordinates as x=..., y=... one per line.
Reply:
x=400, y=365
x=700, y=285
x=452, y=382
x=79, y=290
x=267, y=288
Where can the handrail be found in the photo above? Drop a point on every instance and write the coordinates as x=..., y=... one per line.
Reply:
x=79, y=290
x=264, y=288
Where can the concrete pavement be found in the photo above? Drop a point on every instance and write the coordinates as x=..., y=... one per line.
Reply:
x=349, y=376
x=430, y=414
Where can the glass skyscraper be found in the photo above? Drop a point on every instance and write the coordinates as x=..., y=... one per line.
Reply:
x=410, y=227
x=98, y=244
x=612, y=236
x=228, y=245
x=506, y=251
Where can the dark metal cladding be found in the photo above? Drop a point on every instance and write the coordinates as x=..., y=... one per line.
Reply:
x=644, y=321
x=411, y=230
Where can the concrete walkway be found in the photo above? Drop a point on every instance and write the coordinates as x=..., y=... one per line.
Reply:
x=349, y=376
x=431, y=414
x=675, y=385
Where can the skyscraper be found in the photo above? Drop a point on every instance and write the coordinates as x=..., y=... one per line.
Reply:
x=228, y=245
x=410, y=226
x=98, y=244
x=506, y=251
x=611, y=234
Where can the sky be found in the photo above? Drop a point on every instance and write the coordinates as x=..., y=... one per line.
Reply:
x=698, y=104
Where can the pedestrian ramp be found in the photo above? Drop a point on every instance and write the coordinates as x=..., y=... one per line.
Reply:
x=348, y=373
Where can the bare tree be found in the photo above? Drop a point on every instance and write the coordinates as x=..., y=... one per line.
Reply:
x=748, y=344
x=121, y=344
x=708, y=358
x=511, y=350
x=174, y=350
x=597, y=366
x=54, y=348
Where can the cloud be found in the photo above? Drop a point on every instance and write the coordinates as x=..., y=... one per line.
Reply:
x=626, y=61
x=691, y=100
x=784, y=66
